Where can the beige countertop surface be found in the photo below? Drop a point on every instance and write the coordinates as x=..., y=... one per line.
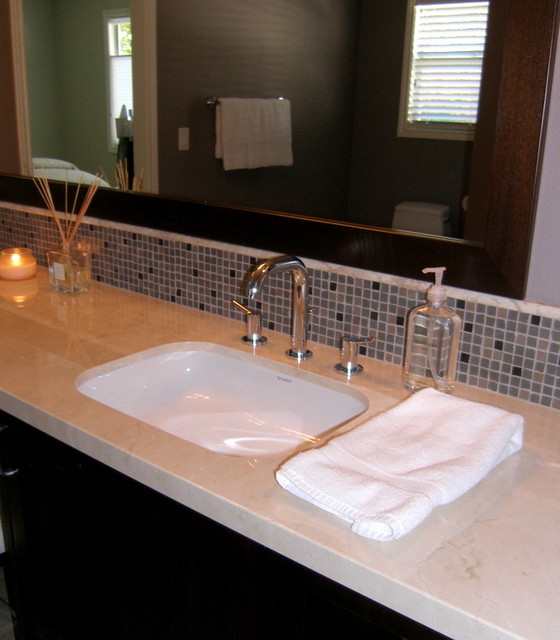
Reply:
x=486, y=566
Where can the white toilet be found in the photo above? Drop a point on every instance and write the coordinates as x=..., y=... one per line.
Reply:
x=423, y=217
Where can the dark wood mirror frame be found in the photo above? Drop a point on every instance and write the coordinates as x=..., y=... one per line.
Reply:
x=511, y=170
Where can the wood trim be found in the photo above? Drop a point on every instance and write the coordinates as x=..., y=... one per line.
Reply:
x=531, y=30
x=144, y=17
x=363, y=247
x=20, y=87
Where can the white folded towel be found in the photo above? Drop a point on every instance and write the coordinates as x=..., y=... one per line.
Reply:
x=253, y=132
x=387, y=475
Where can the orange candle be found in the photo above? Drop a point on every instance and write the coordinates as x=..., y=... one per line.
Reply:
x=17, y=264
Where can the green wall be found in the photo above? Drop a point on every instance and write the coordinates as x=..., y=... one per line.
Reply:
x=67, y=80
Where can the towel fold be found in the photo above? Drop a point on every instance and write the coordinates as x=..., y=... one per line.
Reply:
x=253, y=132
x=387, y=475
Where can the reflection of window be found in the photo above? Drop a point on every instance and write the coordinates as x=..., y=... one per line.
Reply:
x=442, y=68
x=119, y=67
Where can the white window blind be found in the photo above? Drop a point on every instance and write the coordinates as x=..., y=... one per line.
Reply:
x=119, y=68
x=121, y=88
x=444, y=71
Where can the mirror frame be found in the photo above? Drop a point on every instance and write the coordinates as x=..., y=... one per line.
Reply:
x=498, y=266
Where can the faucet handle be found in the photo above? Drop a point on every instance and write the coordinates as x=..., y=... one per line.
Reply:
x=349, y=347
x=254, y=325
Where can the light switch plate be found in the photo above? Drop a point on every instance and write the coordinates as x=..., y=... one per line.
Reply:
x=184, y=138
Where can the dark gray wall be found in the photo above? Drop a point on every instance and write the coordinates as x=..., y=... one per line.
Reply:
x=300, y=49
x=306, y=50
x=387, y=169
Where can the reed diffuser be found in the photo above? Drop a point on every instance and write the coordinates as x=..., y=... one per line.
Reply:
x=122, y=177
x=69, y=266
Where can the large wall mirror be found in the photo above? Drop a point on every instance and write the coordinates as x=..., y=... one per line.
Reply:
x=336, y=203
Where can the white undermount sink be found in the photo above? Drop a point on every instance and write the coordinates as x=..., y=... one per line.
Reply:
x=223, y=399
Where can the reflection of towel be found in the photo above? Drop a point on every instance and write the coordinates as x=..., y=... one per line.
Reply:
x=253, y=132
x=387, y=475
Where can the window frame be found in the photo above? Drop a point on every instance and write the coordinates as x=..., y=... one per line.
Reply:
x=418, y=129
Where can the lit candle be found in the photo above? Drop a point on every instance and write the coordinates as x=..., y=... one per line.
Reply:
x=17, y=264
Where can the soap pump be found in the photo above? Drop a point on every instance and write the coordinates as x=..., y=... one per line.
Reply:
x=432, y=341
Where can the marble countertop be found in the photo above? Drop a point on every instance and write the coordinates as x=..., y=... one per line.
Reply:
x=486, y=566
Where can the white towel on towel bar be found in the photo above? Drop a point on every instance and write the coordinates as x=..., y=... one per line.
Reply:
x=253, y=132
x=387, y=475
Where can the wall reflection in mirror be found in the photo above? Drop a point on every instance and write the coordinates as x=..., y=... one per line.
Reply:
x=67, y=79
x=338, y=61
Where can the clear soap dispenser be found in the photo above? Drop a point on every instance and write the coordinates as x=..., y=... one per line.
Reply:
x=432, y=341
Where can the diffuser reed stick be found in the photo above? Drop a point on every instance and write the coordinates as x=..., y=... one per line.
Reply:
x=122, y=177
x=137, y=181
x=121, y=174
x=68, y=222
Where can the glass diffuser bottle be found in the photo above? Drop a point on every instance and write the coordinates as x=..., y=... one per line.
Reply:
x=69, y=266
x=69, y=269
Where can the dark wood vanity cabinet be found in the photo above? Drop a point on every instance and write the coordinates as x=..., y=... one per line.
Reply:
x=92, y=554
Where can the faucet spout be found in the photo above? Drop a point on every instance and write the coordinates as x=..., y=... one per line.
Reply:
x=253, y=284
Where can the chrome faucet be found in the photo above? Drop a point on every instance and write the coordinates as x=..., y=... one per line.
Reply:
x=252, y=286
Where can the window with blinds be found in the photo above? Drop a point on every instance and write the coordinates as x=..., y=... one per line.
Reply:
x=119, y=68
x=442, y=69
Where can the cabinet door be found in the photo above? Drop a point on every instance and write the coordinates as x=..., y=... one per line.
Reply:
x=98, y=555
x=12, y=524
x=101, y=556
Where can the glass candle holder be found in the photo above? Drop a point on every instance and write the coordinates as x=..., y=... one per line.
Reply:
x=69, y=269
x=17, y=264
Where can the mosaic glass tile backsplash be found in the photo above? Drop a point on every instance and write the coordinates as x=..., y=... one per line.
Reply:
x=501, y=349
